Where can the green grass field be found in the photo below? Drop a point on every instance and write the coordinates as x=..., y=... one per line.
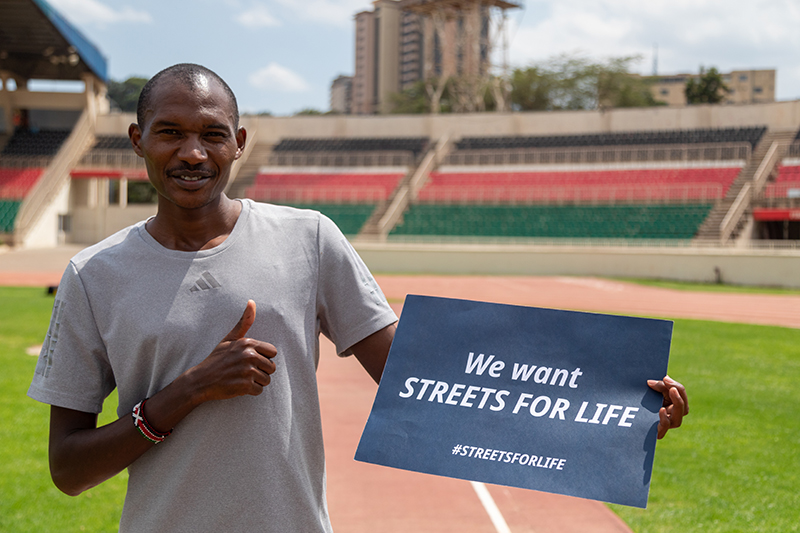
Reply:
x=733, y=467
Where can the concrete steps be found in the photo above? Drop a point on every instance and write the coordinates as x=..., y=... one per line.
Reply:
x=710, y=229
x=245, y=178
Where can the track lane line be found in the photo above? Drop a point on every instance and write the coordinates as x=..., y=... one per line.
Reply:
x=491, y=508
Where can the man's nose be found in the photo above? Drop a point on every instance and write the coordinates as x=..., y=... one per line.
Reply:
x=192, y=150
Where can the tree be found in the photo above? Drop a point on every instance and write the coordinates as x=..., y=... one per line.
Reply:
x=126, y=93
x=617, y=87
x=574, y=82
x=309, y=111
x=417, y=100
x=707, y=89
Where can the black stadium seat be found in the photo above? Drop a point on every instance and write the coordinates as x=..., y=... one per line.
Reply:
x=698, y=136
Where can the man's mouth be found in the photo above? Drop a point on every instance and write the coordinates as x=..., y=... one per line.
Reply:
x=191, y=176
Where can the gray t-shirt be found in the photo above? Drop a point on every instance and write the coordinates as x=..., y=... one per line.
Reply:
x=134, y=315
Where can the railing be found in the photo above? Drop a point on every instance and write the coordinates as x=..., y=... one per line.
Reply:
x=735, y=212
x=111, y=159
x=793, y=150
x=778, y=195
x=788, y=245
x=608, y=154
x=252, y=131
x=607, y=194
x=342, y=159
x=407, y=193
x=25, y=161
x=310, y=195
x=766, y=167
x=53, y=178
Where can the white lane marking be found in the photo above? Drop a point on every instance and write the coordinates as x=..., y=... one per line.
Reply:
x=491, y=507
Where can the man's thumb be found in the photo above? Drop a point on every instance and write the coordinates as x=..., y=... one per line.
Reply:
x=241, y=327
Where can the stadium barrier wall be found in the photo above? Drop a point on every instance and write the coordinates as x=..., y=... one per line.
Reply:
x=693, y=264
x=776, y=116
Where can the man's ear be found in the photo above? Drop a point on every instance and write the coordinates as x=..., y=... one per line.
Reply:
x=241, y=138
x=135, y=134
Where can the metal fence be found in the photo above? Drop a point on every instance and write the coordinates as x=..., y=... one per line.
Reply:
x=111, y=159
x=609, y=154
x=793, y=150
x=342, y=159
x=317, y=195
x=788, y=245
x=605, y=194
x=25, y=161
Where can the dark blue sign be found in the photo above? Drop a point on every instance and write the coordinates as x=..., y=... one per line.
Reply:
x=542, y=399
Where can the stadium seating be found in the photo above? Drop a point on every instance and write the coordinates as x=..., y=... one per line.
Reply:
x=785, y=185
x=328, y=187
x=345, y=196
x=651, y=203
x=15, y=183
x=112, y=142
x=416, y=145
x=628, y=221
x=25, y=142
x=349, y=217
x=669, y=184
x=723, y=135
x=8, y=212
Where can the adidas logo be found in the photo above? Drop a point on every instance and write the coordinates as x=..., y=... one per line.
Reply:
x=205, y=282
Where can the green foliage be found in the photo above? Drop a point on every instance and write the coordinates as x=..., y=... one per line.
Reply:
x=416, y=100
x=309, y=111
x=708, y=88
x=574, y=82
x=126, y=93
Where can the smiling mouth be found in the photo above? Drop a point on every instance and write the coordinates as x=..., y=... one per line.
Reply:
x=191, y=176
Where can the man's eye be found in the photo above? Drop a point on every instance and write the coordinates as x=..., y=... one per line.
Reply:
x=168, y=131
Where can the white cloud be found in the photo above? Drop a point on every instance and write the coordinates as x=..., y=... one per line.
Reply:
x=328, y=12
x=96, y=12
x=275, y=77
x=257, y=17
x=733, y=33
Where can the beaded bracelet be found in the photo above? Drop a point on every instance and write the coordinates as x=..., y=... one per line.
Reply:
x=144, y=427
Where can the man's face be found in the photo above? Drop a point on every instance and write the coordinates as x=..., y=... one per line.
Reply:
x=188, y=141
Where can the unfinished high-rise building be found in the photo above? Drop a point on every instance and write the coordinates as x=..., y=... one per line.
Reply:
x=441, y=42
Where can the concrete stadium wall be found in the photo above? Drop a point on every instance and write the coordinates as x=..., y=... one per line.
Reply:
x=737, y=266
x=776, y=116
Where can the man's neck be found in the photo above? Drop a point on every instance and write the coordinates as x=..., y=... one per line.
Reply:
x=190, y=230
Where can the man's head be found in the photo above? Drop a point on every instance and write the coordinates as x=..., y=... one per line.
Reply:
x=188, y=135
x=190, y=75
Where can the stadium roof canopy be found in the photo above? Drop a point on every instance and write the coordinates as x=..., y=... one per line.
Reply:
x=36, y=42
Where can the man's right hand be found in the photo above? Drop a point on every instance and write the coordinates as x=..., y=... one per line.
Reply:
x=238, y=365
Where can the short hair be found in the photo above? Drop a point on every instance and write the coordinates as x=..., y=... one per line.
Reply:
x=185, y=73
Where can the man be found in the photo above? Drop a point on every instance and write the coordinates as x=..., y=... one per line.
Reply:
x=210, y=311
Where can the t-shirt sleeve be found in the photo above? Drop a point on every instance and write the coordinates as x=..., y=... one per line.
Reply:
x=73, y=370
x=350, y=305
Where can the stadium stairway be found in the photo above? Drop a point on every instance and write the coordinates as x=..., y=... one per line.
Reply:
x=387, y=215
x=710, y=231
x=246, y=175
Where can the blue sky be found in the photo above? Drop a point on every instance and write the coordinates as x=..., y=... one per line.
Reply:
x=281, y=55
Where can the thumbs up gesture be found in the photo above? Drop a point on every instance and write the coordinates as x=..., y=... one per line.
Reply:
x=237, y=366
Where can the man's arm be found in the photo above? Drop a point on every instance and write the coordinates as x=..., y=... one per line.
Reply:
x=373, y=351
x=83, y=455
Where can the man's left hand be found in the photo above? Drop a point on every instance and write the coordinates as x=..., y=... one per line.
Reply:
x=676, y=404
